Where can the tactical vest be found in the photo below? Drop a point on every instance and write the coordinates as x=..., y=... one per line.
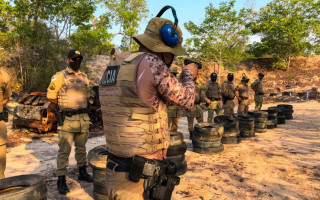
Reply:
x=74, y=92
x=131, y=126
x=229, y=91
x=197, y=94
x=244, y=90
x=214, y=90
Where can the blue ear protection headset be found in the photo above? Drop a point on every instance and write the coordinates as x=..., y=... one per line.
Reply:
x=168, y=32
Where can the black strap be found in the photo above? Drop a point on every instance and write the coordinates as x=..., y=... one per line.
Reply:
x=214, y=99
x=173, y=13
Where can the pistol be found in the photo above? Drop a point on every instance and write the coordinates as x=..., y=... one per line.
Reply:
x=187, y=62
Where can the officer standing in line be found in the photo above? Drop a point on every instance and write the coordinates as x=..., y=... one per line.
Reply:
x=257, y=87
x=242, y=94
x=196, y=111
x=133, y=93
x=5, y=94
x=211, y=93
x=69, y=90
x=173, y=110
x=228, y=94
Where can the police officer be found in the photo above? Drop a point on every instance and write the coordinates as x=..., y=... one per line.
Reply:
x=211, y=93
x=133, y=95
x=69, y=90
x=5, y=94
x=257, y=87
x=173, y=110
x=196, y=111
x=242, y=94
x=228, y=94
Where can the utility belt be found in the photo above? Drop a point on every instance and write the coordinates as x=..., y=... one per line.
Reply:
x=160, y=175
x=61, y=115
x=214, y=99
x=260, y=93
x=4, y=115
x=225, y=99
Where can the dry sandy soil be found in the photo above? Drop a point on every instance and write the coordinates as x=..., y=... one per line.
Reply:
x=282, y=163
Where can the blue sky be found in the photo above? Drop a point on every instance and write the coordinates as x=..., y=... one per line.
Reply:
x=189, y=10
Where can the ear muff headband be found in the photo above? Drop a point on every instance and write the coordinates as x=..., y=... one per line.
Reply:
x=168, y=32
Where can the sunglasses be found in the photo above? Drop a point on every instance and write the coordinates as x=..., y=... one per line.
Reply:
x=77, y=59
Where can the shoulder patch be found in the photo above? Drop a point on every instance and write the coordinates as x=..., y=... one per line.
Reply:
x=52, y=86
x=109, y=76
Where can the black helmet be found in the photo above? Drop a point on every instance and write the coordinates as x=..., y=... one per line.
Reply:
x=213, y=77
x=230, y=77
x=261, y=75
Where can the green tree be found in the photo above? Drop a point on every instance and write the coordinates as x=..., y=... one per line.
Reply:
x=127, y=14
x=222, y=36
x=286, y=28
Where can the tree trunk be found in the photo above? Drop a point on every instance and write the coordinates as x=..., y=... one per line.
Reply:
x=288, y=63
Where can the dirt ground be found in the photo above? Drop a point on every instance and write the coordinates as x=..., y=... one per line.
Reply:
x=282, y=163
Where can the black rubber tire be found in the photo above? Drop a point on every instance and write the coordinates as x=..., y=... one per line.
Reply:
x=98, y=196
x=274, y=109
x=177, y=150
x=177, y=159
x=206, y=144
x=176, y=138
x=289, y=117
x=272, y=118
x=285, y=106
x=259, y=114
x=210, y=129
x=246, y=126
x=229, y=125
x=99, y=174
x=230, y=128
x=260, y=120
x=260, y=130
x=209, y=150
x=270, y=126
x=201, y=137
x=100, y=186
x=274, y=115
x=182, y=168
x=288, y=112
x=271, y=111
x=281, y=120
x=98, y=151
x=246, y=134
x=23, y=187
x=232, y=134
x=231, y=140
x=260, y=125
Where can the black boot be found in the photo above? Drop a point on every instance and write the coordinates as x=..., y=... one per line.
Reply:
x=84, y=176
x=62, y=186
x=191, y=134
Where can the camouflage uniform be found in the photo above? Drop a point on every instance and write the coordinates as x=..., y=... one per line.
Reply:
x=173, y=117
x=72, y=90
x=5, y=93
x=228, y=94
x=196, y=111
x=212, y=91
x=257, y=87
x=242, y=91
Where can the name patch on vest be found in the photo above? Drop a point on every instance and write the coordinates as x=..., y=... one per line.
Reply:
x=110, y=75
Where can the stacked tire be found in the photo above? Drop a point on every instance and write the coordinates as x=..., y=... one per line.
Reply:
x=246, y=125
x=280, y=117
x=260, y=121
x=231, y=133
x=98, y=161
x=207, y=138
x=176, y=152
x=23, y=187
x=272, y=118
x=287, y=110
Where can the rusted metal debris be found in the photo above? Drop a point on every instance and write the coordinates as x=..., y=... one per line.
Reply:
x=32, y=112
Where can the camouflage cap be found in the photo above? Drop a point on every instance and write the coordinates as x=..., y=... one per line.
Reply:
x=152, y=39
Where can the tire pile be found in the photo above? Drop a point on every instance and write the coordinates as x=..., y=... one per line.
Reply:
x=287, y=110
x=272, y=118
x=246, y=125
x=176, y=152
x=207, y=138
x=231, y=133
x=97, y=158
x=280, y=117
x=260, y=121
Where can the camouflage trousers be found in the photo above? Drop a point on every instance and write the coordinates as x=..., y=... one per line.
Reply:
x=228, y=108
x=173, y=124
x=119, y=187
x=243, y=106
x=191, y=121
x=214, y=106
x=258, y=99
